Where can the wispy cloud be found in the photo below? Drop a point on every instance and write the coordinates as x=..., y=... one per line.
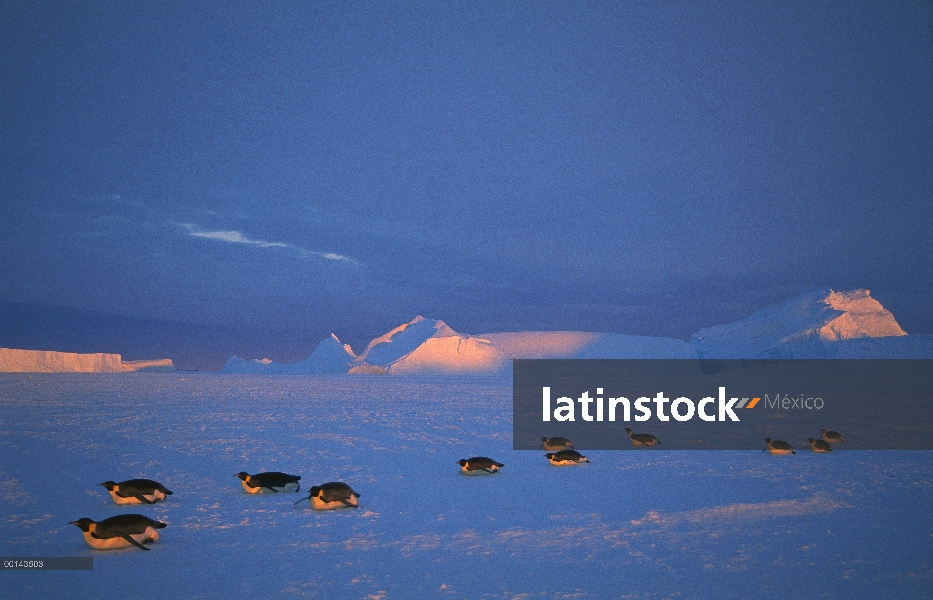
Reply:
x=236, y=237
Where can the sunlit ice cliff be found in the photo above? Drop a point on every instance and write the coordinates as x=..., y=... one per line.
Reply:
x=47, y=361
x=819, y=324
x=330, y=356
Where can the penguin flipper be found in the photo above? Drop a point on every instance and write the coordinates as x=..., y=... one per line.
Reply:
x=347, y=503
x=128, y=538
x=270, y=488
x=144, y=500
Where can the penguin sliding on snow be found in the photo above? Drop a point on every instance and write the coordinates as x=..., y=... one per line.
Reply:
x=820, y=445
x=832, y=437
x=642, y=439
x=479, y=465
x=556, y=443
x=566, y=457
x=136, y=491
x=273, y=481
x=332, y=495
x=121, y=531
x=778, y=447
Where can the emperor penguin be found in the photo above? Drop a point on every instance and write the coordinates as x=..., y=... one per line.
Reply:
x=556, y=443
x=273, y=481
x=332, y=495
x=642, y=439
x=121, y=531
x=479, y=465
x=137, y=491
x=820, y=445
x=566, y=457
x=778, y=447
x=832, y=437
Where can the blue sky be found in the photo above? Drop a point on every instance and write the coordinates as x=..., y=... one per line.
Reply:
x=199, y=180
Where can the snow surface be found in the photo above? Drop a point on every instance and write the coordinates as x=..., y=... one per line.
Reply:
x=813, y=318
x=639, y=523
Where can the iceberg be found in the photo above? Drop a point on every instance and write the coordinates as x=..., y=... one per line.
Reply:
x=582, y=344
x=429, y=346
x=330, y=356
x=163, y=365
x=819, y=324
x=13, y=360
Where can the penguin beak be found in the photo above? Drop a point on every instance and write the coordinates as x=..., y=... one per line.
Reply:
x=303, y=499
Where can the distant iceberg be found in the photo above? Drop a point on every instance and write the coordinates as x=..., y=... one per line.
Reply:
x=162, y=365
x=818, y=324
x=429, y=346
x=330, y=356
x=582, y=344
x=13, y=360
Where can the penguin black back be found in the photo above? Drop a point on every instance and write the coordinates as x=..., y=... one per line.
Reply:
x=273, y=481
x=479, y=464
x=136, y=491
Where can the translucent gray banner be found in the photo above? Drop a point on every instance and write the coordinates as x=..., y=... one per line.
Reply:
x=724, y=404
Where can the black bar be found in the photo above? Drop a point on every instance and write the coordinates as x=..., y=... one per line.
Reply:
x=46, y=563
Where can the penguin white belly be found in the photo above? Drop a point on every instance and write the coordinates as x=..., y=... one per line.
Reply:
x=492, y=469
x=121, y=500
x=150, y=535
x=778, y=451
x=564, y=463
x=288, y=487
x=155, y=496
x=318, y=504
x=249, y=489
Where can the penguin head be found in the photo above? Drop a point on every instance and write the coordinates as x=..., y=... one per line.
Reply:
x=810, y=441
x=544, y=439
x=314, y=492
x=462, y=462
x=822, y=431
x=242, y=475
x=767, y=440
x=549, y=455
x=109, y=485
x=83, y=524
x=629, y=430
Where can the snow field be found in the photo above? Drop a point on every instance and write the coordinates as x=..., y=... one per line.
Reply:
x=641, y=523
